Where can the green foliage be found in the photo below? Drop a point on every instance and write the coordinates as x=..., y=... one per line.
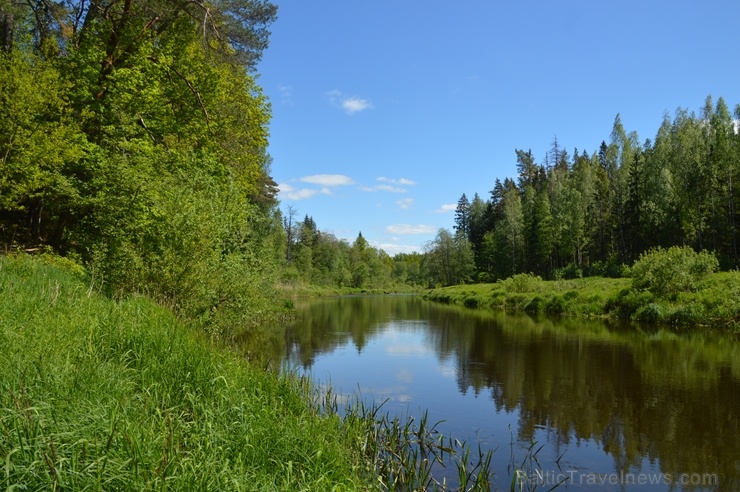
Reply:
x=40, y=146
x=715, y=302
x=690, y=314
x=650, y=313
x=672, y=270
x=596, y=213
x=557, y=304
x=536, y=305
x=99, y=394
x=136, y=141
x=569, y=271
x=628, y=301
x=449, y=259
x=522, y=282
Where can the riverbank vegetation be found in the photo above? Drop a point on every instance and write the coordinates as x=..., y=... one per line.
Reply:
x=571, y=215
x=584, y=222
x=674, y=286
x=105, y=394
x=133, y=141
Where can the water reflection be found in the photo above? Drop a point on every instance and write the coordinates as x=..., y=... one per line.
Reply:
x=648, y=400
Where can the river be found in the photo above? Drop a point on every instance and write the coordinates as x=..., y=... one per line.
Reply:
x=610, y=407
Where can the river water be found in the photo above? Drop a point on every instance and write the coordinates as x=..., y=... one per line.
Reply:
x=609, y=407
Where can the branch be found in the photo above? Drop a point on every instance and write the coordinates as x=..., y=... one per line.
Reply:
x=197, y=96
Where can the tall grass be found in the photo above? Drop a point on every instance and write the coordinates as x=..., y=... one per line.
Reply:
x=103, y=395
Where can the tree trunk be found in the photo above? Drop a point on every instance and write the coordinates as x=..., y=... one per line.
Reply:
x=6, y=30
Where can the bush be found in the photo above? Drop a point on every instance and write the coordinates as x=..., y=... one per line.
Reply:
x=672, y=270
x=522, y=282
x=556, y=305
x=471, y=302
x=609, y=269
x=651, y=313
x=569, y=272
x=535, y=306
x=689, y=314
x=628, y=301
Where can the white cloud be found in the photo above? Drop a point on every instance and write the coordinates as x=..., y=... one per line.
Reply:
x=393, y=249
x=286, y=93
x=388, y=188
x=447, y=207
x=401, y=181
x=287, y=191
x=390, y=185
x=328, y=179
x=403, y=229
x=325, y=182
x=350, y=104
x=354, y=105
x=405, y=203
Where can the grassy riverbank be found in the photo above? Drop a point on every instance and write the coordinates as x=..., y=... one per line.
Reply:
x=299, y=289
x=105, y=395
x=715, y=301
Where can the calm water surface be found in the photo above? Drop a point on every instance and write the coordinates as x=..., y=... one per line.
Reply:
x=623, y=408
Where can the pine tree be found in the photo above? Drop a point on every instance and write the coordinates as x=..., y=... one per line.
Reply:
x=462, y=216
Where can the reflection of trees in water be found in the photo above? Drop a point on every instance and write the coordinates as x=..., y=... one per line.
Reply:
x=639, y=395
x=636, y=395
x=325, y=324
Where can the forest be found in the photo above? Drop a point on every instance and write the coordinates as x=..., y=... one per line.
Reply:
x=590, y=214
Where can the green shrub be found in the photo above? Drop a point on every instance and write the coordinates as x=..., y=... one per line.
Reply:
x=515, y=302
x=535, y=306
x=568, y=272
x=471, y=302
x=628, y=301
x=522, y=282
x=556, y=305
x=650, y=313
x=609, y=269
x=571, y=294
x=689, y=314
x=672, y=270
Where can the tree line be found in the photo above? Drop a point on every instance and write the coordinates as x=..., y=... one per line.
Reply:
x=584, y=213
x=315, y=257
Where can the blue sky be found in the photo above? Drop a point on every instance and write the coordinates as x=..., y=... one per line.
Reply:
x=385, y=112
